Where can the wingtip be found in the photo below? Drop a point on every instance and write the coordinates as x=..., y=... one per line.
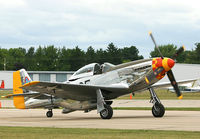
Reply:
x=8, y=96
x=180, y=97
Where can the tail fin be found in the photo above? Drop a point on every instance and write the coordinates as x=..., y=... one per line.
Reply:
x=2, y=85
x=20, y=78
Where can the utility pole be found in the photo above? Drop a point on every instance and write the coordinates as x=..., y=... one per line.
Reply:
x=4, y=64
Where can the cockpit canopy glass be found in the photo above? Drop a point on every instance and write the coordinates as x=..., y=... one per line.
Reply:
x=87, y=70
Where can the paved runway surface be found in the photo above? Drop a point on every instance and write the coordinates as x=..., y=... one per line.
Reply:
x=135, y=103
x=122, y=119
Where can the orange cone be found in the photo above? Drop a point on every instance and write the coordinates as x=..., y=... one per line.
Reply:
x=2, y=84
x=131, y=97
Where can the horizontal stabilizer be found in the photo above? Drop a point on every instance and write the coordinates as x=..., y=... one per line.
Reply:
x=24, y=94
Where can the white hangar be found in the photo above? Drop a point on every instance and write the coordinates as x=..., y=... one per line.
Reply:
x=52, y=76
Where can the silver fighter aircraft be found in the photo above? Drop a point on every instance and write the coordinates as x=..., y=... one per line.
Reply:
x=94, y=86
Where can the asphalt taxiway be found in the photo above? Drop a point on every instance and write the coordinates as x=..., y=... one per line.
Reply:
x=122, y=119
x=133, y=103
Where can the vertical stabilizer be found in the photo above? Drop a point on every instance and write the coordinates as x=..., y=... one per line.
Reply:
x=20, y=78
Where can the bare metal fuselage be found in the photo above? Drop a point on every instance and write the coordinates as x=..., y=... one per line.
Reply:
x=124, y=76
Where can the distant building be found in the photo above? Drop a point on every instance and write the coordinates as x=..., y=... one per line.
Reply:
x=52, y=76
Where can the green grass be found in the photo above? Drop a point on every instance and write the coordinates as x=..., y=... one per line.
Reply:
x=149, y=108
x=163, y=94
x=83, y=133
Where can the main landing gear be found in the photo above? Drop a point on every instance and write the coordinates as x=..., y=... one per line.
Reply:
x=49, y=113
x=105, y=110
x=158, y=110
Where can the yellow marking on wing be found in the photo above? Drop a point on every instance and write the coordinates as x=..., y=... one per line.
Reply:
x=147, y=81
x=7, y=96
x=30, y=83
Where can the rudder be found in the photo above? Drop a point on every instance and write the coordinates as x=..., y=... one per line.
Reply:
x=20, y=78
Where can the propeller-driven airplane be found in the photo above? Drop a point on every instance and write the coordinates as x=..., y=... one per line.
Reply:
x=94, y=86
x=188, y=88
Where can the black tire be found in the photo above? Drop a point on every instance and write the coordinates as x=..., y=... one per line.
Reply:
x=107, y=113
x=158, y=110
x=49, y=114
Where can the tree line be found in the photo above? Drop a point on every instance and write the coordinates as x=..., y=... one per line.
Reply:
x=188, y=56
x=51, y=58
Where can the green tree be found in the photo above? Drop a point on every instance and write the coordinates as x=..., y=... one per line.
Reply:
x=197, y=53
x=16, y=58
x=30, y=61
x=166, y=50
x=50, y=58
x=77, y=58
x=3, y=57
x=39, y=59
x=64, y=59
x=90, y=55
x=101, y=56
x=130, y=54
x=113, y=54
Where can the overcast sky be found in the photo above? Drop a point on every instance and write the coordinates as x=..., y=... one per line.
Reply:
x=70, y=23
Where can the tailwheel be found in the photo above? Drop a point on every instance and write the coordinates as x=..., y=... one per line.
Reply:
x=158, y=110
x=49, y=114
x=107, y=112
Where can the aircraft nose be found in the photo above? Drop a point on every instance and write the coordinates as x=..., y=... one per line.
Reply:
x=167, y=63
x=170, y=62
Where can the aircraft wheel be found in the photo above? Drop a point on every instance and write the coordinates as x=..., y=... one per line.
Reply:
x=49, y=114
x=158, y=110
x=107, y=112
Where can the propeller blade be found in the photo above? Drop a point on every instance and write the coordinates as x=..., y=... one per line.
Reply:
x=174, y=84
x=150, y=33
x=180, y=50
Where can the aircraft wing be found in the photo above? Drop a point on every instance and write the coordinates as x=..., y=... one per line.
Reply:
x=168, y=84
x=75, y=91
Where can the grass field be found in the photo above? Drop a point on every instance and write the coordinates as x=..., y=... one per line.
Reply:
x=74, y=133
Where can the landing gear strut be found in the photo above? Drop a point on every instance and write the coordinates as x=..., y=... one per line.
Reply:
x=105, y=110
x=49, y=113
x=158, y=110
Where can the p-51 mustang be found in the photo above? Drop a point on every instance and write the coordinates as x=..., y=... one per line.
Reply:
x=94, y=86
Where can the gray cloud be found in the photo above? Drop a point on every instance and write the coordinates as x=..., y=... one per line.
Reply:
x=97, y=23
